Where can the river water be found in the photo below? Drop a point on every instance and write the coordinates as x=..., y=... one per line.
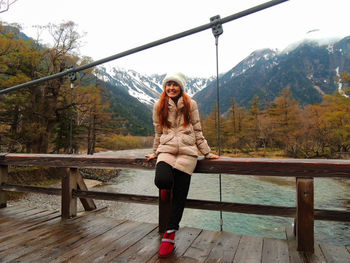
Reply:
x=332, y=194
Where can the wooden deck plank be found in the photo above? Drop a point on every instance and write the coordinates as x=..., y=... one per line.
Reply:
x=74, y=245
x=41, y=234
x=20, y=217
x=40, y=227
x=9, y=240
x=317, y=257
x=294, y=255
x=96, y=238
x=126, y=241
x=29, y=247
x=103, y=241
x=275, y=250
x=141, y=251
x=335, y=254
x=13, y=220
x=110, y=246
x=20, y=230
x=84, y=244
x=7, y=213
x=12, y=209
x=68, y=240
x=4, y=212
x=183, y=239
x=29, y=220
x=201, y=247
x=249, y=250
x=50, y=235
x=225, y=248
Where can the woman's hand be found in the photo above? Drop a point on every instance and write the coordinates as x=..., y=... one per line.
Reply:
x=212, y=156
x=150, y=156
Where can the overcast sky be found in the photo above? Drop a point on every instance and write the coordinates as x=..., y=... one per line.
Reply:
x=115, y=26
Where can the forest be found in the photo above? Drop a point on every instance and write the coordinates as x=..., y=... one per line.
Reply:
x=283, y=128
x=56, y=117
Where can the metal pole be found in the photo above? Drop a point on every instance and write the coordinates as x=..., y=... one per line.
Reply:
x=218, y=92
x=217, y=31
x=71, y=119
x=72, y=76
x=218, y=105
x=147, y=46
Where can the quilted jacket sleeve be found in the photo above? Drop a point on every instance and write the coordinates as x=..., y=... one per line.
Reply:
x=201, y=142
x=157, y=128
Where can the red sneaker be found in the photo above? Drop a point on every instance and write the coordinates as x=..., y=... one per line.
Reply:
x=167, y=245
x=164, y=195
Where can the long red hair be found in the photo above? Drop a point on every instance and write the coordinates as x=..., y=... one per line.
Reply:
x=163, y=109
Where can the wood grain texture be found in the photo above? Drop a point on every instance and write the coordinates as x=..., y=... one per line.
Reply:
x=3, y=179
x=305, y=215
x=36, y=235
x=69, y=202
x=87, y=203
x=335, y=254
x=275, y=250
x=243, y=166
x=249, y=250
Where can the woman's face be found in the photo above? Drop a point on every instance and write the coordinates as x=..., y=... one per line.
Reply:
x=172, y=89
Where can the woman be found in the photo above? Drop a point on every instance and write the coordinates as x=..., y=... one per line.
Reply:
x=178, y=137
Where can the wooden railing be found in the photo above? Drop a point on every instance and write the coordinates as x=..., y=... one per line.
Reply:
x=73, y=186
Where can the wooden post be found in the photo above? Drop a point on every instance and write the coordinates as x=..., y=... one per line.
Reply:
x=69, y=203
x=3, y=179
x=87, y=203
x=305, y=215
x=164, y=211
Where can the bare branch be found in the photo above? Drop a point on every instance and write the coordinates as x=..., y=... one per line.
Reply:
x=7, y=5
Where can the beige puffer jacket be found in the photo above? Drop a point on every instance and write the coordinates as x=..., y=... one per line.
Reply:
x=179, y=145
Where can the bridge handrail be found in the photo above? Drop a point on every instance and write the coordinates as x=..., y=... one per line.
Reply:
x=304, y=170
x=308, y=168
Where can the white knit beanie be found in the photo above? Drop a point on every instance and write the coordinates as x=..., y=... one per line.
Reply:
x=178, y=77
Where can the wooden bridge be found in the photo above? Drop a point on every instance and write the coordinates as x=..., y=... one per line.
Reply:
x=34, y=235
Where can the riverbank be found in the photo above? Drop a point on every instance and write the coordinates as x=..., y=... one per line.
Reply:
x=53, y=202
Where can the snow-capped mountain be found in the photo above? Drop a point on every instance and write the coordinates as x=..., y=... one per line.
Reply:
x=146, y=89
x=259, y=56
x=309, y=70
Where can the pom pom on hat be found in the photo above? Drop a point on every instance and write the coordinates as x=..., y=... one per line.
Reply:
x=178, y=77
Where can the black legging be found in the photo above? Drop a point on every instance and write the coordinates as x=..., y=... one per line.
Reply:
x=170, y=178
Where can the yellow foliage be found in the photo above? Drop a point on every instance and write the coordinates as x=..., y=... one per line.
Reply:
x=120, y=142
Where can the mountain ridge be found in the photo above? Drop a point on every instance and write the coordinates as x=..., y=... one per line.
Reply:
x=308, y=69
x=147, y=88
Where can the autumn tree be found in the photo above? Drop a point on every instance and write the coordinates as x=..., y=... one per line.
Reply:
x=337, y=116
x=285, y=122
x=19, y=62
x=46, y=97
x=210, y=127
x=29, y=115
x=234, y=126
x=315, y=132
x=92, y=115
x=253, y=125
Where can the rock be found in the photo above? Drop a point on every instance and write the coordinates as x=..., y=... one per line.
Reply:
x=103, y=175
